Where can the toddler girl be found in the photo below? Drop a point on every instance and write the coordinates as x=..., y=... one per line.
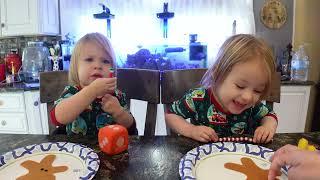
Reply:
x=229, y=101
x=91, y=101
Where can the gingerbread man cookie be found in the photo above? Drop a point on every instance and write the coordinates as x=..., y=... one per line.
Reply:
x=42, y=170
x=248, y=168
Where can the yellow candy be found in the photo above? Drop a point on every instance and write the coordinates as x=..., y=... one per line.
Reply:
x=303, y=143
x=311, y=148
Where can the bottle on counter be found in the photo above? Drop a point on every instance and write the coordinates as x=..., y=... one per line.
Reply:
x=300, y=65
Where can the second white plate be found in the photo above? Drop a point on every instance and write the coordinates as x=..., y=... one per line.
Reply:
x=208, y=161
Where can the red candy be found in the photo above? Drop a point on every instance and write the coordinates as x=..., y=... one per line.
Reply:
x=111, y=73
x=113, y=139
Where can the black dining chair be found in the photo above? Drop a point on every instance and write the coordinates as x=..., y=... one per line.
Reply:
x=140, y=84
x=175, y=83
x=51, y=86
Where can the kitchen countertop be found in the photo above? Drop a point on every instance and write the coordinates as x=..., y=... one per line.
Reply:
x=298, y=83
x=20, y=86
x=155, y=157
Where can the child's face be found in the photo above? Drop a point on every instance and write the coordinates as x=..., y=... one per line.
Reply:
x=243, y=86
x=93, y=63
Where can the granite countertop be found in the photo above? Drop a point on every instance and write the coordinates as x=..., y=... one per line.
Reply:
x=298, y=83
x=155, y=157
x=20, y=86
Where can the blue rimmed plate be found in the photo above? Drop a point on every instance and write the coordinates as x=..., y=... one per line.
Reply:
x=208, y=161
x=81, y=161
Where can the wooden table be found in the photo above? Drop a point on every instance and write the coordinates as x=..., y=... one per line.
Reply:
x=155, y=157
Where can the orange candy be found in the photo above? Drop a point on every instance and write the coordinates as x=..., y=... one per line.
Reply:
x=113, y=139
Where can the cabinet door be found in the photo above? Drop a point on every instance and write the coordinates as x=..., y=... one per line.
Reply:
x=13, y=123
x=36, y=124
x=292, y=109
x=18, y=17
x=49, y=18
x=12, y=102
x=29, y=17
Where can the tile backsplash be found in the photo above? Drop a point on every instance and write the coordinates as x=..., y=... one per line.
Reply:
x=20, y=42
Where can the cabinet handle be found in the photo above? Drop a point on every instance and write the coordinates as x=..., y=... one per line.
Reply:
x=2, y=25
x=3, y=123
x=36, y=103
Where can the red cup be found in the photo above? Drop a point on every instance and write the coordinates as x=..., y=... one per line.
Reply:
x=2, y=72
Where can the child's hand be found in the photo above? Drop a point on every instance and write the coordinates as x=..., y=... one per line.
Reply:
x=111, y=105
x=263, y=134
x=203, y=134
x=102, y=86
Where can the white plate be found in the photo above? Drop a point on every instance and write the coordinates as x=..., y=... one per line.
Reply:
x=207, y=161
x=82, y=162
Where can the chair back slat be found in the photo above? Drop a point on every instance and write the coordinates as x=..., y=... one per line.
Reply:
x=52, y=84
x=141, y=84
x=175, y=83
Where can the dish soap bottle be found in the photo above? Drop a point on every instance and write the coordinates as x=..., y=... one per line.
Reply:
x=300, y=65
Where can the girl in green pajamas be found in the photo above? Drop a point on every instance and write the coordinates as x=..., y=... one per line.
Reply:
x=91, y=101
x=229, y=101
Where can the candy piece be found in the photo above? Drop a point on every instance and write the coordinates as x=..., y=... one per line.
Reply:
x=113, y=139
x=311, y=148
x=236, y=139
x=303, y=143
x=111, y=73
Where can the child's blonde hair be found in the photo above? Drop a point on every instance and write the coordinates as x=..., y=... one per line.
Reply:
x=236, y=49
x=99, y=40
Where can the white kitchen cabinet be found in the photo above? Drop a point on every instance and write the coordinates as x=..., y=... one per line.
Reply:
x=22, y=113
x=29, y=17
x=292, y=109
x=37, y=123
